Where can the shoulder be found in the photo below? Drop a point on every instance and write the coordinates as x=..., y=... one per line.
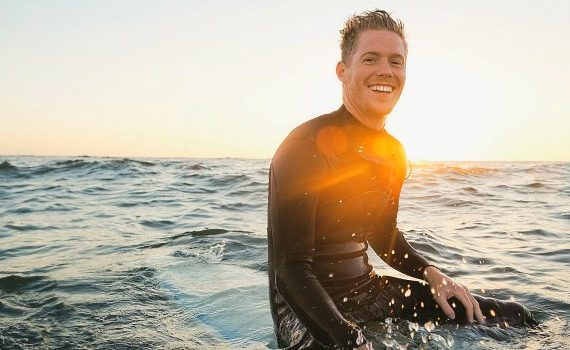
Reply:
x=310, y=129
x=397, y=145
x=399, y=153
x=304, y=136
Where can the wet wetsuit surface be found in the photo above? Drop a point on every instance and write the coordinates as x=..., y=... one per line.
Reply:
x=334, y=188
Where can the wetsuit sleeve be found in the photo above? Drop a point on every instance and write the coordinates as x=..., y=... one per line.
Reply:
x=387, y=240
x=298, y=173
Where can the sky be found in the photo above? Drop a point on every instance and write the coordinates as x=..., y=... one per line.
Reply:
x=485, y=80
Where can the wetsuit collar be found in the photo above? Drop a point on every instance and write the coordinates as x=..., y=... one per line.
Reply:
x=345, y=114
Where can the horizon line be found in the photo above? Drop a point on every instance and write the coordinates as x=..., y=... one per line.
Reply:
x=265, y=158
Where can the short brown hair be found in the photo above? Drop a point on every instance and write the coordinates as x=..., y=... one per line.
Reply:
x=376, y=19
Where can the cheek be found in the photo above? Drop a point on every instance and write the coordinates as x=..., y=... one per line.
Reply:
x=402, y=77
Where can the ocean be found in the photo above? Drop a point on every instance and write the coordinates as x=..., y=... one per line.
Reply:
x=112, y=253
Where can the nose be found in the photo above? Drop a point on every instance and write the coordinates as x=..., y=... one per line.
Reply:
x=383, y=69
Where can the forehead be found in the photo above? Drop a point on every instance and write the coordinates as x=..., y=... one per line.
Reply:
x=381, y=41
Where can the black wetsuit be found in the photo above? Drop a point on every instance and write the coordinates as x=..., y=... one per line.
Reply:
x=334, y=187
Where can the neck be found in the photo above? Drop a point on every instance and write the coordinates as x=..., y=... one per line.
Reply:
x=373, y=122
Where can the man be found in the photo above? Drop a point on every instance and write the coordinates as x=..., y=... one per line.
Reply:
x=334, y=188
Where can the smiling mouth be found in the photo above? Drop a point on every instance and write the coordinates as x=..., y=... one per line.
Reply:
x=383, y=89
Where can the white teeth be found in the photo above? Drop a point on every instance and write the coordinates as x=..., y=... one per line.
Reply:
x=381, y=88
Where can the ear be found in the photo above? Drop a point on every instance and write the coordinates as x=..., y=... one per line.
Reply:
x=341, y=71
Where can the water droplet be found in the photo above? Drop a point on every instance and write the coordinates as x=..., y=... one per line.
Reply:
x=353, y=234
x=331, y=275
x=492, y=312
x=393, y=252
x=406, y=256
x=413, y=326
x=422, y=304
x=408, y=293
x=344, y=300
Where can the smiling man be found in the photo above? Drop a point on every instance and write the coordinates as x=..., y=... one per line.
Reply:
x=334, y=189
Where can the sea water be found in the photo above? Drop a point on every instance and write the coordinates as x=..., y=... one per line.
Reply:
x=111, y=253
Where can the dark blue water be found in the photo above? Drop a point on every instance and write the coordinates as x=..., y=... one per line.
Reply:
x=109, y=253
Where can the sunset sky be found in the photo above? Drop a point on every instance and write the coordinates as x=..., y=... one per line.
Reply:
x=485, y=80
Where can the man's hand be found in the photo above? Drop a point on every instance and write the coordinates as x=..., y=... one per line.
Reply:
x=443, y=288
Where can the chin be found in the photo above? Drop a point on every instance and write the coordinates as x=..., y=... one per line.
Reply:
x=382, y=111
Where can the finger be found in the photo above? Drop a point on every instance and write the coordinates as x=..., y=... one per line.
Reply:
x=478, y=313
x=445, y=307
x=464, y=299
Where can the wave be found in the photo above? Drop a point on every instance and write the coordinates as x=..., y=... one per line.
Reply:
x=453, y=169
x=198, y=167
x=18, y=283
x=73, y=165
x=158, y=223
x=238, y=206
x=6, y=166
x=228, y=180
x=29, y=227
x=197, y=233
x=535, y=185
x=210, y=254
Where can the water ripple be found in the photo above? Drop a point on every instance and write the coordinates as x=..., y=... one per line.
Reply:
x=120, y=253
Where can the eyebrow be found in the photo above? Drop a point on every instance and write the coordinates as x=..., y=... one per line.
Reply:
x=377, y=54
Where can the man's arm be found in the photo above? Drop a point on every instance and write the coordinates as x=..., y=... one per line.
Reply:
x=390, y=244
x=386, y=240
x=297, y=173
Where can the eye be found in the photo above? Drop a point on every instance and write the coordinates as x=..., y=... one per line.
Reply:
x=369, y=60
x=397, y=62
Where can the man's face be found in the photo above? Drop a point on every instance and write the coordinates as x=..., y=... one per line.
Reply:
x=374, y=76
